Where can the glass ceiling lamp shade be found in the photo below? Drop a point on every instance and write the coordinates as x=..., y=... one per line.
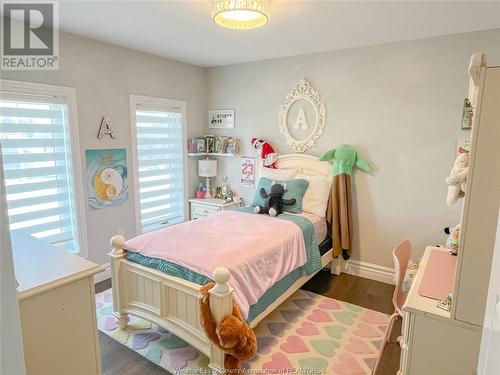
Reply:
x=240, y=14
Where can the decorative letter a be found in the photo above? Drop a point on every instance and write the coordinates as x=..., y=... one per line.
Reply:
x=301, y=122
x=105, y=128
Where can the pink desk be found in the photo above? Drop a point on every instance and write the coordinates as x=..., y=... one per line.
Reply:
x=439, y=275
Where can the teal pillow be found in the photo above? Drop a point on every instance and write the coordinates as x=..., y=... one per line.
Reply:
x=294, y=189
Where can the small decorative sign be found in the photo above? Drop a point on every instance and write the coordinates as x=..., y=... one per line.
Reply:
x=221, y=118
x=105, y=128
x=247, y=171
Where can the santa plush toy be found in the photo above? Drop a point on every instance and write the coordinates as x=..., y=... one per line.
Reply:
x=266, y=152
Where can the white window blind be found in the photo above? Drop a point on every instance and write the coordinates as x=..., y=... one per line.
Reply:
x=160, y=165
x=34, y=135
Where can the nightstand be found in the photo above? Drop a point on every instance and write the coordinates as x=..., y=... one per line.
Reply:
x=205, y=207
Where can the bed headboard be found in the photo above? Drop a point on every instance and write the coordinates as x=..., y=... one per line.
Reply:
x=305, y=164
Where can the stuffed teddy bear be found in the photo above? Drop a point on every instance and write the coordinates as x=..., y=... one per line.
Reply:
x=458, y=176
x=453, y=240
x=266, y=152
x=232, y=334
x=274, y=200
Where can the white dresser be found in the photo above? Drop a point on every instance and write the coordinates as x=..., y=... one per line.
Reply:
x=205, y=207
x=57, y=308
x=448, y=342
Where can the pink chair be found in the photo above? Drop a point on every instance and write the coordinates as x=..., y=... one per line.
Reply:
x=401, y=256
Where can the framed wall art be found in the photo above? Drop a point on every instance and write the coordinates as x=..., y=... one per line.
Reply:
x=221, y=118
x=302, y=117
x=106, y=177
x=247, y=171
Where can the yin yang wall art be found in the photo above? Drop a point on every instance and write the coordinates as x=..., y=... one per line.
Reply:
x=107, y=174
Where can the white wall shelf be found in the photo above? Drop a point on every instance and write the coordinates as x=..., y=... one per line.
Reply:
x=209, y=153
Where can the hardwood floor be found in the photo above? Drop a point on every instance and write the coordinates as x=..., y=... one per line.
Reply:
x=118, y=359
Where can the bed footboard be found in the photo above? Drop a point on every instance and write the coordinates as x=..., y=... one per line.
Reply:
x=168, y=301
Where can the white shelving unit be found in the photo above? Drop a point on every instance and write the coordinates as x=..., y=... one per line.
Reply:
x=440, y=342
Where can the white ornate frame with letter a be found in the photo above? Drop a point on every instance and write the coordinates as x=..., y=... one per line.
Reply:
x=303, y=92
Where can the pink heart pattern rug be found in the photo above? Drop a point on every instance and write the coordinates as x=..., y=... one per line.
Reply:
x=308, y=332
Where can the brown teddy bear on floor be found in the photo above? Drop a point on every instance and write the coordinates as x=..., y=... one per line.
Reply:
x=232, y=334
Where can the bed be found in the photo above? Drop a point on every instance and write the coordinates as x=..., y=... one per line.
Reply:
x=155, y=291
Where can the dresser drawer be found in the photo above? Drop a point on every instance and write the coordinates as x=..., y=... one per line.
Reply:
x=200, y=210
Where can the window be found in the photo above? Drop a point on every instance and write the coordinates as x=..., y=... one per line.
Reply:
x=37, y=143
x=158, y=131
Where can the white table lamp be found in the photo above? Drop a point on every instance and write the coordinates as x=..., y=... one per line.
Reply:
x=207, y=168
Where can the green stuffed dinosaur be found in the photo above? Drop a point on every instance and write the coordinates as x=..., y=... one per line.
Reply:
x=339, y=209
x=345, y=158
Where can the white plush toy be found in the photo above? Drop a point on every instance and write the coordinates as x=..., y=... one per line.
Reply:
x=458, y=177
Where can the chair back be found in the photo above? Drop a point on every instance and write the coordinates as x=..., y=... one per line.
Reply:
x=401, y=255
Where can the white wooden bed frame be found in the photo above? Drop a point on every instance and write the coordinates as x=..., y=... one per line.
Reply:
x=172, y=303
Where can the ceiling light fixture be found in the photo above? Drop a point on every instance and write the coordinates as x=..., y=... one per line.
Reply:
x=240, y=14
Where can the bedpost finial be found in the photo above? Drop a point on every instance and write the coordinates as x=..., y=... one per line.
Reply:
x=117, y=242
x=221, y=277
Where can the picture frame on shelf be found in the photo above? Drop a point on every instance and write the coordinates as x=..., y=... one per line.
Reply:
x=221, y=118
x=220, y=145
x=201, y=145
x=210, y=139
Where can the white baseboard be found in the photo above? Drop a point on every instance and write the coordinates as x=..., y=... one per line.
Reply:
x=104, y=275
x=370, y=271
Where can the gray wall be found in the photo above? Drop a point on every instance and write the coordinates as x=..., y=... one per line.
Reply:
x=399, y=104
x=104, y=76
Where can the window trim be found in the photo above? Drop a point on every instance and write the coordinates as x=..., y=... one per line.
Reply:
x=69, y=94
x=156, y=102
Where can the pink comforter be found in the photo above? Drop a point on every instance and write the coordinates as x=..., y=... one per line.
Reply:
x=257, y=249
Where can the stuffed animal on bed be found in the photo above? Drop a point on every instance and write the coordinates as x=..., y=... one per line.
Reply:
x=274, y=200
x=232, y=334
x=458, y=176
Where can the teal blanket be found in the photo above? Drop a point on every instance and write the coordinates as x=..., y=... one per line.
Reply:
x=312, y=265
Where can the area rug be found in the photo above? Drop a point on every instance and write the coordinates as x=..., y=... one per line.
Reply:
x=308, y=333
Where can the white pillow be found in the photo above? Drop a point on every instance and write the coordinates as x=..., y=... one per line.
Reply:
x=316, y=196
x=278, y=174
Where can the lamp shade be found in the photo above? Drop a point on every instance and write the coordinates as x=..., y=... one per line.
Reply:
x=207, y=168
x=240, y=14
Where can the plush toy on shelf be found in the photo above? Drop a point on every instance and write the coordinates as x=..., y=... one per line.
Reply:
x=274, y=200
x=266, y=152
x=458, y=176
x=453, y=240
